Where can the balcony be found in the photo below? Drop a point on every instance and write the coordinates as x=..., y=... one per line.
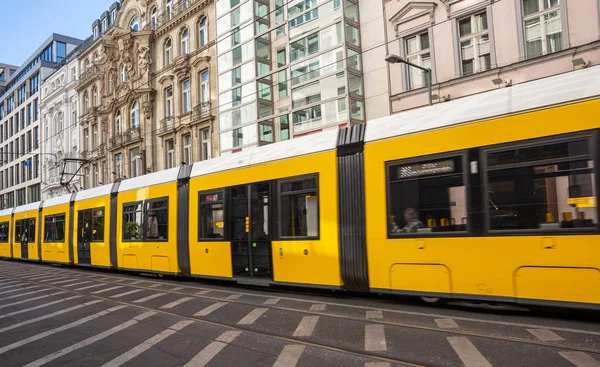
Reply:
x=91, y=72
x=132, y=135
x=178, y=8
x=116, y=141
x=201, y=111
x=167, y=125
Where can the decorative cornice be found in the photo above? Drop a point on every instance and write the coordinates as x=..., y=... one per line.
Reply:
x=400, y=17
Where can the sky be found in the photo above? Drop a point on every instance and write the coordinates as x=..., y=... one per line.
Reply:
x=27, y=24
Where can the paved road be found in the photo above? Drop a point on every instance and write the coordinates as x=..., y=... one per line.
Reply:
x=82, y=317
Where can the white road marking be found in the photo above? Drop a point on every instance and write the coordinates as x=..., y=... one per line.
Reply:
x=377, y=364
x=319, y=307
x=201, y=293
x=545, y=335
x=210, y=351
x=252, y=316
x=126, y=293
x=62, y=281
x=152, y=296
x=289, y=356
x=137, y=282
x=177, y=303
x=209, y=309
x=12, y=286
x=580, y=359
x=154, y=285
x=306, y=327
x=73, y=324
x=375, y=338
x=38, y=307
x=271, y=301
x=467, y=352
x=60, y=312
x=234, y=296
x=107, y=289
x=446, y=323
x=20, y=289
x=74, y=284
x=26, y=294
x=46, y=277
x=11, y=282
x=32, y=299
x=374, y=314
x=90, y=286
x=90, y=340
x=177, y=289
x=144, y=346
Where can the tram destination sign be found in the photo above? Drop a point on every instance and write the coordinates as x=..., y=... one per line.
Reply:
x=426, y=169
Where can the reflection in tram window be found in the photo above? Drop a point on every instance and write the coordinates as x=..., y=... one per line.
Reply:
x=4, y=232
x=427, y=197
x=210, y=224
x=156, y=216
x=549, y=186
x=98, y=225
x=299, y=208
x=132, y=222
x=54, y=228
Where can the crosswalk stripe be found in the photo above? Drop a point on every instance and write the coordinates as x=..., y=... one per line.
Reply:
x=154, y=285
x=271, y=301
x=377, y=364
x=32, y=299
x=252, y=316
x=90, y=340
x=580, y=359
x=38, y=307
x=206, y=311
x=74, y=284
x=45, y=277
x=90, y=286
x=446, y=323
x=11, y=286
x=144, y=346
x=545, y=335
x=306, y=327
x=60, y=312
x=152, y=296
x=10, y=281
x=21, y=289
x=137, y=282
x=107, y=289
x=126, y=293
x=319, y=307
x=289, y=356
x=210, y=351
x=467, y=352
x=201, y=293
x=234, y=296
x=73, y=324
x=177, y=303
x=374, y=314
x=62, y=281
x=26, y=294
x=176, y=289
x=375, y=338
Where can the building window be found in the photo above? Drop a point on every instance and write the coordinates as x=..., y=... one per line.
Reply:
x=94, y=97
x=170, y=154
x=204, y=87
x=104, y=24
x=134, y=24
x=113, y=16
x=168, y=52
x=185, y=41
x=136, y=162
x=124, y=74
x=119, y=165
x=206, y=146
x=94, y=136
x=154, y=18
x=54, y=228
x=187, y=149
x=203, y=32
x=185, y=96
x=474, y=43
x=169, y=7
x=96, y=32
x=118, y=123
x=36, y=110
x=210, y=219
x=543, y=30
x=169, y=102
x=417, y=52
x=299, y=208
x=135, y=115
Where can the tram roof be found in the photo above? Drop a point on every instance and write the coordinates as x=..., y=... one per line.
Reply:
x=156, y=178
x=6, y=212
x=64, y=199
x=560, y=89
x=27, y=207
x=94, y=192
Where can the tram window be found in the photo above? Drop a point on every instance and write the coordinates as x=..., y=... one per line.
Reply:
x=549, y=186
x=426, y=197
x=18, y=226
x=132, y=221
x=299, y=208
x=156, y=215
x=31, y=232
x=211, y=218
x=98, y=225
x=4, y=232
x=54, y=228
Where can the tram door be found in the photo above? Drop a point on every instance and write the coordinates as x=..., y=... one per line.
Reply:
x=25, y=233
x=251, y=240
x=84, y=236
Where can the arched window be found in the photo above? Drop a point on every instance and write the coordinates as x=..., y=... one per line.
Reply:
x=135, y=23
x=185, y=41
x=124, y=75
x=154, y=19
x=118, y=123
x=135, y=115
x=86, y=101
x=94, y=97
x=169, y=7
x=202, y=32
x=168, y=52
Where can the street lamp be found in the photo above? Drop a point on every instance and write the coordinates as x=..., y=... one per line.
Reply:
x=395, y=59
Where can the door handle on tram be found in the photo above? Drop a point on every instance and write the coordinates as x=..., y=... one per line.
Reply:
x=281, y=251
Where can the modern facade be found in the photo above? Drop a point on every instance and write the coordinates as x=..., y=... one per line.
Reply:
x=286, y=68
x=20, y=136
x=144, y=90
x=6, y=72
x=60, y=131
x=474, y=46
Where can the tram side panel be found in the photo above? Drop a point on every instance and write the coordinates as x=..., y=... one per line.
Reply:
x=5, y=233
x=25, y=241
x=55, y=233
x=543, y=251
x=91, y=231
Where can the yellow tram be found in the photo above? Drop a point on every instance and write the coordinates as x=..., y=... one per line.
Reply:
x=491, y=197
